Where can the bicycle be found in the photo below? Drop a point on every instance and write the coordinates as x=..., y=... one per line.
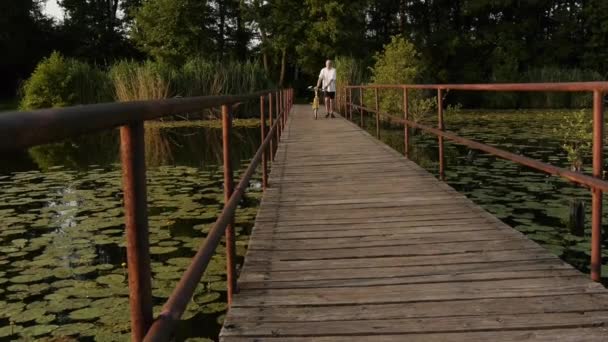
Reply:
x=315, y=102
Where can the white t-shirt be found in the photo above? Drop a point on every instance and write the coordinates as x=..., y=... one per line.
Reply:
x=329, y=79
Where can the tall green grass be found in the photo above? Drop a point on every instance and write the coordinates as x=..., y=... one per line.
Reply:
x=59, y=81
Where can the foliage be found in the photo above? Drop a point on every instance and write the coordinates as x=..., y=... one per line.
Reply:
x=59, y=81
x=400, y=63
x=25, y=38
x=141, y=81
x=332, y=28
x=576, y=133
x=173, y=30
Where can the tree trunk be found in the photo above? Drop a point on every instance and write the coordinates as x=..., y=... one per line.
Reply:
x=221, y=40
x=283, y=66
x=265, y=61
x=402, y=17
x=241, y=38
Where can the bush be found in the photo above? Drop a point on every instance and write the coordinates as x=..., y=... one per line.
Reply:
x=59, y=81
x=399, y=63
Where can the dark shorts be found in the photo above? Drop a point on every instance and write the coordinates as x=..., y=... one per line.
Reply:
x=330, y=94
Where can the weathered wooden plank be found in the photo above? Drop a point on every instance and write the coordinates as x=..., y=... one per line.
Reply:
x=420, y=325
x=599, y=334
x=414, y=271
x=576, y=303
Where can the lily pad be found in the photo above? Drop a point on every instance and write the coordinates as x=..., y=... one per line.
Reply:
x=86, y=314
x=111, y=279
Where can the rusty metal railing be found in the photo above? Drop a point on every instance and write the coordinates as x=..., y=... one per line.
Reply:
x=26, y=129
x=595, y=182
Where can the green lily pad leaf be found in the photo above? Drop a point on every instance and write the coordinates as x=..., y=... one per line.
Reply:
x=218, y=286
x=105, y=267
x=74, y=329
x=84, y=270
x=28, y=315
x=68, y=304
x=10, y=330
x=86, y=314
x=28, y=278
x=111, y=279
x=38, y=330
x=162, y=250
x=207, y=298
x=212, y=308
x=45, y=319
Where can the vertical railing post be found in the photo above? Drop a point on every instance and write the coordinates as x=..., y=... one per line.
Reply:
x=377, y=114
x=270, y=123
x=406, y=127
x=228, y=188
x=440, y=138
x=350, y=104
x=278, y=112
x=596, y=199
x=361, y=104
x=132, y=155
x=264, y=151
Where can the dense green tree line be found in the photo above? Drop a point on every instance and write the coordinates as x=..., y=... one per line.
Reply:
x=459, y=40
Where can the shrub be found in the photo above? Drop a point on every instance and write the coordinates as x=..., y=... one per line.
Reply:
x=399, y=63
x=59, y=81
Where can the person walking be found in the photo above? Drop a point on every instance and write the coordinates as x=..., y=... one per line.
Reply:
x=327, y=79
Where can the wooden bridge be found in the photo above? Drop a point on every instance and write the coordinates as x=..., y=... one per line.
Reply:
x=352, y=241
x=355, y=242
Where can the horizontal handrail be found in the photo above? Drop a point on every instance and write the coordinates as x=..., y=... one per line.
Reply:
x=577, y=177
x=30, y=128
x=162, y=328
x=557, y=87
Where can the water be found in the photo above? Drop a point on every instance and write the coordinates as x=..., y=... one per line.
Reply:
x=62, y=243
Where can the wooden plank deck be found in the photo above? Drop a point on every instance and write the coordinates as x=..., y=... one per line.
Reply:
x=354, y=242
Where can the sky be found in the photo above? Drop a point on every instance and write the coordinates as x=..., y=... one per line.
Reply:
x=52, y=9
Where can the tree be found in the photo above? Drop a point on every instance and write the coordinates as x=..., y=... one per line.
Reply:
x=174, y=30
x=26, y=36
x=94, y=30
x=332, y=28
x=279, y=23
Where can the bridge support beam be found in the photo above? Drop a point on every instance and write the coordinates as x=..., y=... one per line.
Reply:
x=228, y=189
x=596, y=199
x=132, y=154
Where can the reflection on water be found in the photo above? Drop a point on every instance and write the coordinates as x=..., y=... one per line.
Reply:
x=187, y=145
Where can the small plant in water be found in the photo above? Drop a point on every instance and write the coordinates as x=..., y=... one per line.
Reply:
x=576, y=134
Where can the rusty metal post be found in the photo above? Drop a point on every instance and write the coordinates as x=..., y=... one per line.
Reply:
x=596, y=200
x=270, y=115
x=406, y=128
x=228, y=188
x=279, y=113
x=361, y=104
x=264, y=152
x=132, y=155
x=440, y=139
x=377, y=114
x=351, y=102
